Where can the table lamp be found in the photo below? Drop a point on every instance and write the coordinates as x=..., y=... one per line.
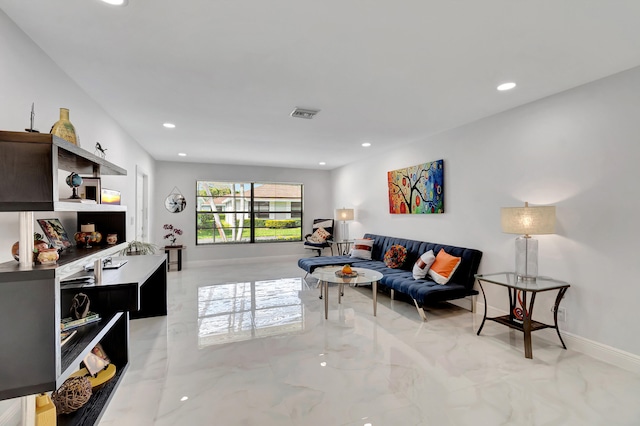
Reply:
x=344, y=215
x=529, y=221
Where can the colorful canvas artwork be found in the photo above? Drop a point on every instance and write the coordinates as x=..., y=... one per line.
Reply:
x=417, y=189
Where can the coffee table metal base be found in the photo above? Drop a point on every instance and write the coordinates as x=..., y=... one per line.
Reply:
x=324, y=288
x=327, y=275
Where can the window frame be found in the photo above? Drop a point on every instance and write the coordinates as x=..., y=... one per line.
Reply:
x=251, y=212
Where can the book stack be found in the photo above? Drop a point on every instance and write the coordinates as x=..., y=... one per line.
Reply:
x=70, y=323
x=65, y=336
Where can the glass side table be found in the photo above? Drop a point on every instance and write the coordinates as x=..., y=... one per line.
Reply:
x=343, y=246
x=520, y=314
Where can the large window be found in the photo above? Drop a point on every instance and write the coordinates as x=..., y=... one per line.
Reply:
x=248, y=212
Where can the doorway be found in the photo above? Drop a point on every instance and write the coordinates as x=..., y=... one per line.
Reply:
x=142, y=204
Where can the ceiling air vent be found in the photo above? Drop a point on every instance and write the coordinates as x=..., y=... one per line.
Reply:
x=304, y=113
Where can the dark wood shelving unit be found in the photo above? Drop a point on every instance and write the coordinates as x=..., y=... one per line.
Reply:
x=30, y=163
x=32, y=301
x=91, y=413
x=86, y=337
x=113, y=342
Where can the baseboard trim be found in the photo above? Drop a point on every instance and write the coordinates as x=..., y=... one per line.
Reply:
x=465, y=303
x=243, y=260
x=597, y=350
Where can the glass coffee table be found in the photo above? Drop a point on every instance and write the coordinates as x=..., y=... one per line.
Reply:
x=327, y=274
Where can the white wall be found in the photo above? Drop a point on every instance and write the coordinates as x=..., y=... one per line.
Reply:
x=28, y=75
x=578, y=150
x=316, y=203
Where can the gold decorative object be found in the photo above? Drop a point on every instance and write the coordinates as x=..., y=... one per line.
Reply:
x=64, y=129
x=72, y=395
x=45, y=411
x=100, y=379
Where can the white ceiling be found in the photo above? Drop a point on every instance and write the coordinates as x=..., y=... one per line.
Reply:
x=228, y=73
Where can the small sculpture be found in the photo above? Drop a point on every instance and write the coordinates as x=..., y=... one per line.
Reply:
x=100, y=151
x=33, y=114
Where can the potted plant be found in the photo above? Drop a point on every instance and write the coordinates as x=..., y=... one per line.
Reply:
x=173, y=233
x=138, y=247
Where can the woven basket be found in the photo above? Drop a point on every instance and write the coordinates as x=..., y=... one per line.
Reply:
x=73, y=394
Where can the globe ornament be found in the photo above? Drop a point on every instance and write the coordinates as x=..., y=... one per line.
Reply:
x=74, y=180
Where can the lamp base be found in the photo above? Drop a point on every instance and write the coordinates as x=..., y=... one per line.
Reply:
x=344, y=230
x=526, y=258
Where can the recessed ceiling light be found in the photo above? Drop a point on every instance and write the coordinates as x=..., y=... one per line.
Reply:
x=116, y=2
x=366, y=144
x=169, y=125
x=506, y=86
x=182, y=154
x=322, y=163
x=184, y=398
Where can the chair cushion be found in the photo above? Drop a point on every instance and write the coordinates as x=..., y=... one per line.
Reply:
x=444, y=267
x=309, y=264
x=362, y=248
x=423, y=264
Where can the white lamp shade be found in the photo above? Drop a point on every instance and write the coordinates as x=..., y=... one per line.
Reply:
x=90, y=227
x=344, y=214
x=527, y=220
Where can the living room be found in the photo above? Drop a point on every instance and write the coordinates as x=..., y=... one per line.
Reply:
x=575, y=149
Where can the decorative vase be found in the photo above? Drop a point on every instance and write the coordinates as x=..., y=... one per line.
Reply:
x=86, y=238
x=48, y=256
x=37, y=245
x=112, y=239
x=64, y=129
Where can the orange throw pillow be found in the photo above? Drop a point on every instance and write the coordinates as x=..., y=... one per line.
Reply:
x=444, y=267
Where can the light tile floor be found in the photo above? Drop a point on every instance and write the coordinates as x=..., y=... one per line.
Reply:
x=249, y=345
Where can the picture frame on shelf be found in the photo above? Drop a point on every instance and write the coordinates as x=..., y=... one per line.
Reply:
x=91, y=189
x=55, y=233
x=96, y=360
x=110, y=196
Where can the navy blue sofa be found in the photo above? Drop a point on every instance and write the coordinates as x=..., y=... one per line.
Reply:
x=423, y=291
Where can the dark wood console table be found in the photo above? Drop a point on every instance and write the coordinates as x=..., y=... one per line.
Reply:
x=139, y=286
x=517, y=287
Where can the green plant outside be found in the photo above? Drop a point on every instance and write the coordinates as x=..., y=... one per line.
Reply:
x=262, y=234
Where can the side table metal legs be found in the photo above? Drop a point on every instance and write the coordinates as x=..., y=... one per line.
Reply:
x=555, y=314
x=484, y=316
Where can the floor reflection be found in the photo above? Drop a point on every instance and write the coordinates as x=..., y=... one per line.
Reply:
x=241, y=311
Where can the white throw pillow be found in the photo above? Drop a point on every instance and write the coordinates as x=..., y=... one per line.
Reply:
x=362, y=248
x=320, y=235
x=423, y=264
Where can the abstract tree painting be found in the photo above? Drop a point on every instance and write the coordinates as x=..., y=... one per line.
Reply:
x=417, y=189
